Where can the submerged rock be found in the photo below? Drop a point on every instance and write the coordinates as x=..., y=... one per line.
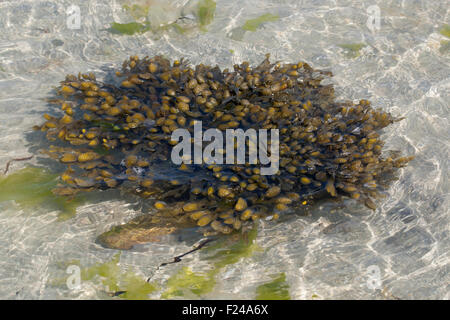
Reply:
x=118, y=135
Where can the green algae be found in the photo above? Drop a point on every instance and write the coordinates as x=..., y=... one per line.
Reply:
x=186, y=282
x=110, y=275
x=118, y=283
x=205, y=12
x=140, y=28
x=245, y=247
x=179, y=29
x=277, y=289
x=142, y=24
x=251, y=25
x=254, y=24
x=352, y=50
x=136, y=287
x=32, y=187
x=205, y=15
x=126, y=284
x=445, y=46
x=129, y=28
x=137, y=11
x=445, y=31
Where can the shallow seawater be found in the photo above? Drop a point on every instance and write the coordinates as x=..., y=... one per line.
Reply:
x=339, y=251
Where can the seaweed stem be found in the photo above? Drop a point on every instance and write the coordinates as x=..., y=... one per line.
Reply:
x=13, y=160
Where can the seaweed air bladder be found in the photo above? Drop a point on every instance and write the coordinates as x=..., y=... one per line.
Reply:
x=235, y=139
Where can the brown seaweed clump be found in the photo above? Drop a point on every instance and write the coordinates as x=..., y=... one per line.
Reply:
x=112, y=135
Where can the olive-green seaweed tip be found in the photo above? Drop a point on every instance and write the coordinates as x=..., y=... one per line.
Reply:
x=254, y=24
x=445, y=31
